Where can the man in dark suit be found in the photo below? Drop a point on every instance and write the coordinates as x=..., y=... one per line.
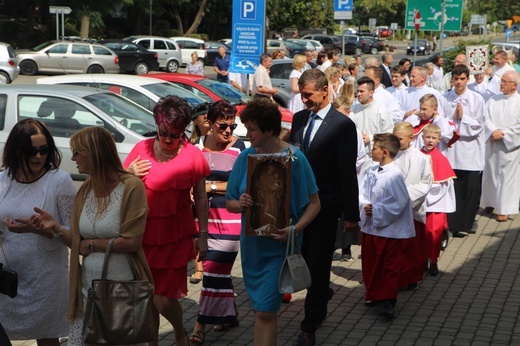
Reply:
x=329, y=140
x=386, y=78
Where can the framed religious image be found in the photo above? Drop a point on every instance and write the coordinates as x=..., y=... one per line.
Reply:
x=268, y=184
x=477, y=59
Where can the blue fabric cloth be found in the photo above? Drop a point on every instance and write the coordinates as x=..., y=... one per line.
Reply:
x=262, y=257
x=223, y=65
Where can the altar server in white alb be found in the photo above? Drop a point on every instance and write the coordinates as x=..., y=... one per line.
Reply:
x=382, y=96
x=501, y=178
x=465, y=108
x=500, y=66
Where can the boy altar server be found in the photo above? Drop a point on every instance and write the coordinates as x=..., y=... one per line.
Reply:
x=441, y=198
x=386, y=219
x=417, y=173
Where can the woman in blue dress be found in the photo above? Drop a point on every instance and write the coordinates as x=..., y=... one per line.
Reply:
x=262, y=257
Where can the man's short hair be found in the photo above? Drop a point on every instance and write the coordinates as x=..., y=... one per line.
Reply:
x=459, y=70
x=313, y=76
x=422, y=70
x=370, y=61
x=332, y=52
x=376, y=70
x=264, y=57
x=398, y=69
x=386, y=56
x=389, y=142
x=436, y=59
x=352, y=67
x=368, y=81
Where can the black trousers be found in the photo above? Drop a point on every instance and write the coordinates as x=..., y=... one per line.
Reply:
x=4, y=339
x=468, y=187
x=319, y=240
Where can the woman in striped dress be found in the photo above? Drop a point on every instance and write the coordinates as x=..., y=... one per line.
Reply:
x=220, y=148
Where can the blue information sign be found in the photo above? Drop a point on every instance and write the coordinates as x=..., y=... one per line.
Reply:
x=343, y=5
x=248, y=35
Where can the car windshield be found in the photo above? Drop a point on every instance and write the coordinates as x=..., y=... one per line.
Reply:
x=134, y=117
x=166, y=88
x=225, y=91
x=42, y=46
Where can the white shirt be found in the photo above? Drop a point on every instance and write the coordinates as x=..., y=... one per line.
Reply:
x=409, y=99
x=481, y=88
x=468, y=152
x=494, y=83
x=317, y=122
x=417, y=173
x=438, y=73
x=387, y=100
x=392, y=215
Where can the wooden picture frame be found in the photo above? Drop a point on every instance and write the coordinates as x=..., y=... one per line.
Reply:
x=269, y=185
x=477, y=59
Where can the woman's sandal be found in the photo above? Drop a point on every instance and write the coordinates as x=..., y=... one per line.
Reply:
x=197, y=337
x=225, y=326
x=194, y=279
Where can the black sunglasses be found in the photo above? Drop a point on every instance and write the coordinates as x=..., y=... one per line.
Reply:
x=169, y=135
x=224, y=126
x=32, y=151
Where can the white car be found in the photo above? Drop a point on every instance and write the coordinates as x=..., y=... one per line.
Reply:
x=168, y=51
x=67, y=109
x=310, y=45
x=9, y=69
x=190, y=45
x=145, y=91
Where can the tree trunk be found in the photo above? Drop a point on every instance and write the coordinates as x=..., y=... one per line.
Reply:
x=198, y=18
x=178, y=21
x=27, y=36
x=85, y=26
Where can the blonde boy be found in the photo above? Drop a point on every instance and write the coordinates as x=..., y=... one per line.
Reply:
x=417, y=173
x=386, y=219
x=428, y=114
x=441, y=198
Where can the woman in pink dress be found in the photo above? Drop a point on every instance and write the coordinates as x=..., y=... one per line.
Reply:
x=171, y=167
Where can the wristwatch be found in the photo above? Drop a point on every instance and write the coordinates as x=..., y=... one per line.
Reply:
x=213, y=188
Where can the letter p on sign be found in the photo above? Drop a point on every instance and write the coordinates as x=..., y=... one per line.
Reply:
x=248, y=9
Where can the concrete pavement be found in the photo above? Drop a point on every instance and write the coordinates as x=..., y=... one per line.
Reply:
x=475, y=300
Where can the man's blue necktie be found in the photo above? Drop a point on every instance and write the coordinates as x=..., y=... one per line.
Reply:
x=307, y=137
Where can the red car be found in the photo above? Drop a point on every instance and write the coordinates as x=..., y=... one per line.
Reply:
x=212, y=90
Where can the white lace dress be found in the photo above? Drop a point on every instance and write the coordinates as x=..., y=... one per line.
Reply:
x=295, y=103
x=106, y=225
x=39, y=310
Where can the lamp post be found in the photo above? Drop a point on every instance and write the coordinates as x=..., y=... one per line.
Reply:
x=151, y=2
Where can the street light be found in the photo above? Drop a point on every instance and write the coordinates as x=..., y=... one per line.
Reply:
x=151, y=2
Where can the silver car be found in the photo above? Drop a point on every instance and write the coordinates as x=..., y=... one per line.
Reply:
x=66, y=57
x=8, y=64
x=168, y=51
x=65, y=109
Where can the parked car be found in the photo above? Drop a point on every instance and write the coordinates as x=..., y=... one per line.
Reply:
x=9, y=69
x=273, y=45
x=293, y=48
x=66, y=109
x=145, y=91
x=310, y=45
x=327, y=41
x=423, y=47
x=372, y=45
x=354, y=44
x=65, y=57
x=213, y=91
x=226, y=41
x=168, y=51
x=190, y=45
x=382, y=31
x=365, y=33
x=133, y=58
x=212, y=51
x=514, y=45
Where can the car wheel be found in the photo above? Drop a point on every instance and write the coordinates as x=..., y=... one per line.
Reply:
x=373, y=51
x=172, y=66
x=28, y=68
x=141, y=68
x=95, y=69
x=201, y=61
x=4, y=78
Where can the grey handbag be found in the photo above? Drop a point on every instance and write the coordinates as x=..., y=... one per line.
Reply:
x=294, y=275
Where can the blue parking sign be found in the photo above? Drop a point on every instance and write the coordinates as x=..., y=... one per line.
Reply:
x=248, y=35
x=343, y=5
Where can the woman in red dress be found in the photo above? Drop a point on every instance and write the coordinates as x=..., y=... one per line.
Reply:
x=170, y=167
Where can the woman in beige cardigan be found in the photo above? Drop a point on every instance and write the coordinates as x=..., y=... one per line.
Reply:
x=110, y=204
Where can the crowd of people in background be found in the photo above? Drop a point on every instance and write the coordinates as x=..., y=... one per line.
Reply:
x=404, y=155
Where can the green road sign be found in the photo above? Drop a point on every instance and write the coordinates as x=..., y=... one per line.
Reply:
x=431, y=14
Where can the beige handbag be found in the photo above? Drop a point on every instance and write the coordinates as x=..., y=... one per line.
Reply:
x=295, y=275
x=119, y=312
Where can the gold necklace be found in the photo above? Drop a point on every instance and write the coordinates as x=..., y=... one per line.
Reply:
x=166, y=155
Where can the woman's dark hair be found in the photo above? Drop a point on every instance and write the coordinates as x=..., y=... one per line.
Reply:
x=172, y=112
x=221, y=110
x=264, y=113
x=320, y=58
x=404, y=61
x=16, y=152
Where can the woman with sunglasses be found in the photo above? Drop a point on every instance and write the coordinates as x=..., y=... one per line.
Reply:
x=171, y=167
x=31, y=180
x=220, y=148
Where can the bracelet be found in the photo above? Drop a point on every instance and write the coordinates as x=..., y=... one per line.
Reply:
x=59, y=233
x=203, y=231
x=91, y=246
